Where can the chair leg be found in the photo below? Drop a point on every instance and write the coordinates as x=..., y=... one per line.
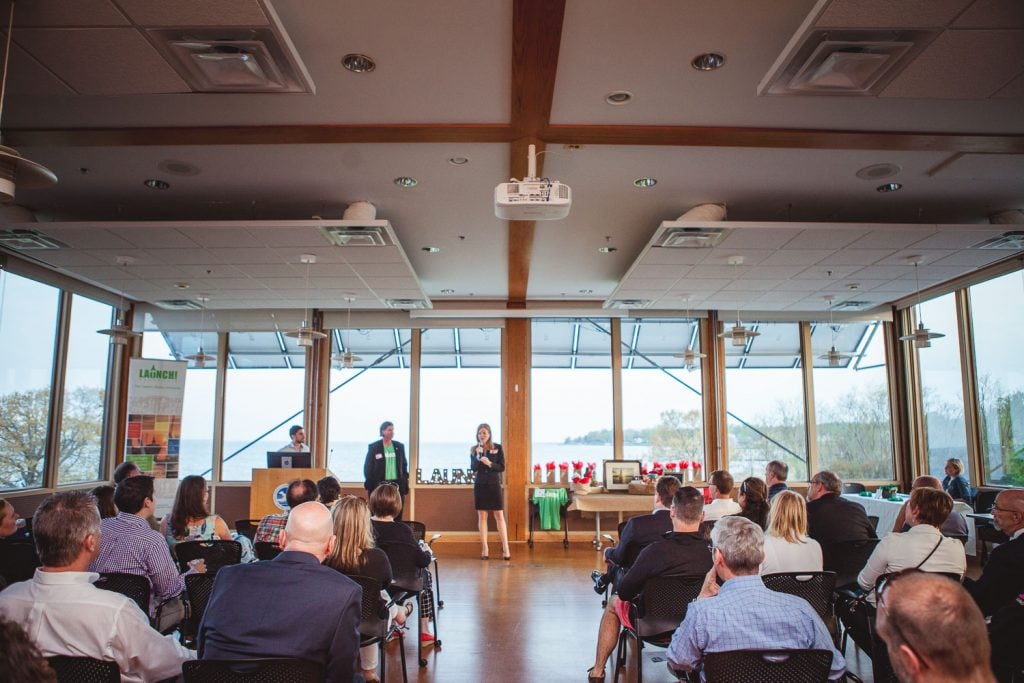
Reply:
x=639, y=660
x=401, y=648
x=437, y=586
x=620, y=647
x=419, y=630
x=383, y=659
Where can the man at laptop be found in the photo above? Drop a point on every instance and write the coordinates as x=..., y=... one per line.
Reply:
x=298, y=440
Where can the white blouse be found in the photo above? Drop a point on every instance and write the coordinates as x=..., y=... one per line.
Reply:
x=782, y=556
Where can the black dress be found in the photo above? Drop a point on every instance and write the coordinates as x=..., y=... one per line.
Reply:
x=487, y=489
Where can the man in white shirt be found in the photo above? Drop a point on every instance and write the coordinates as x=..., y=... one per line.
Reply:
x=64, y=614
x=720, y=487
x=298, y=440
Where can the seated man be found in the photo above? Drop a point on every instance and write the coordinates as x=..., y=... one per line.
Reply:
x=65, y=614
x=832, y=519
x=722, y=504
x=329, y=491
x=130, y=546
x=291, y=606
x=932, y=630
x=775, y=475
x=1002, y=579
x=955, y=524
x=682, y=551
x=299, y=491
x=743, y=614
x=639, y=532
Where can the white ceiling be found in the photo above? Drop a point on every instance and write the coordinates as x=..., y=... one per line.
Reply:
x=453, y=66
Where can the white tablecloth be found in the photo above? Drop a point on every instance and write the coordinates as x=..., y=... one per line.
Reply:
x=887, y=511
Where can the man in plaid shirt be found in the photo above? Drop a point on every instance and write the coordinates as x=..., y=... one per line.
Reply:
x=299, y=491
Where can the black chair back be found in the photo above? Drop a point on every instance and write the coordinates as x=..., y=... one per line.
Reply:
x=271, y=670
x=407, y=576
x=847, y=559
x=265, y=550
x=217, y=553
x=133, y=586
x=198, y=589
x=706, y=527
x=768, y=666
x=247, y=527
x=662, y=605
x=814, y=587
x=853, y=487
x=18, y=561
x=985, y=499
x=373, y=618
x=419, y=529
x=874, y=522
x=84, y=670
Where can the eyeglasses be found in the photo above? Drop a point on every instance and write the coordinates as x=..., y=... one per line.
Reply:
x=1012, y=512
x=883, y=590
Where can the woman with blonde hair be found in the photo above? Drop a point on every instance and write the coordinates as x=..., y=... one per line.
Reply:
x=787, y=547
x=955, y=483
x=356, y=553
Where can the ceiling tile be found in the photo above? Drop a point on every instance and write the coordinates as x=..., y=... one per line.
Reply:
x=884, y=14
x=677, y=257
x=891, y=238
x=855, y=257
x=992, y=14
x=796, y=257
x=223, y=13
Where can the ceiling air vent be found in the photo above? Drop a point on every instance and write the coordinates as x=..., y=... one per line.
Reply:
x=628, y=303
x=358, y=233
x=676, y=235
x=179, y=305
x=406, y=303
x=1012, y=240
x=28, y=240
x=853, y=304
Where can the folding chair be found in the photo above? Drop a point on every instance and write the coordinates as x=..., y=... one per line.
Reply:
x=817, y=588
x=408, y=584
x=419, y=530
x=768, y=666
x=373, y=623
x=198, y=589
x=215, y=553
x=134, y=586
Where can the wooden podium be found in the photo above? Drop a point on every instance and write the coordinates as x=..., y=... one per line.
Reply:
x=266, y=480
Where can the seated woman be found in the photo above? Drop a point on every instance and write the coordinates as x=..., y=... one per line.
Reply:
x=385, y=505
x=104, y=495
x=955, y=483
x=787, y=547
x=190, y=519
x=355, y=553
x=8, y=519
x=753, y=499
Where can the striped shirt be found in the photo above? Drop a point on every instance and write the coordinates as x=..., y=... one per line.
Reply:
x=747, y=616
x=128, y=545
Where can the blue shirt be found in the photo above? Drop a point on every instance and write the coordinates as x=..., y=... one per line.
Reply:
x=747, y=616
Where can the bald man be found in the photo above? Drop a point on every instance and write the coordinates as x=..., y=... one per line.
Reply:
x=932, y=630
x=1002, y=580
x=955, y=524
x=291, y=606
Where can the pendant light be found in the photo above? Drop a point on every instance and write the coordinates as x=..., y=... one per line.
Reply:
x=346, y=359
x=833, y=356
x=921, y=336
x=738, y=333
x=305, y=334
x=120, y=333
x=200, y=357
x=14, y=168
x=691, y=358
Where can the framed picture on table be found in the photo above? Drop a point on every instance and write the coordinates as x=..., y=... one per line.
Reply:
x=618, y=474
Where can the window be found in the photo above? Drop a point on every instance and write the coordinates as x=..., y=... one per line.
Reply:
x=262, y=399
x=197, y=411
x=851, y=401
x=375, y=389
x=571, y=391
x=942, y=388
x=765, y=404
x=28, y=319
x=85, y=381
x=460, y=387
x=662, y=411
x=998, y=328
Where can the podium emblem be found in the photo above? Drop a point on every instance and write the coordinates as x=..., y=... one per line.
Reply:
x=281, y=497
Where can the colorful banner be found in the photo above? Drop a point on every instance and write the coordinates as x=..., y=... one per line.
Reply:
x=156, y=391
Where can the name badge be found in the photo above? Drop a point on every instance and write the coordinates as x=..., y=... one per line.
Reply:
x=379, y=456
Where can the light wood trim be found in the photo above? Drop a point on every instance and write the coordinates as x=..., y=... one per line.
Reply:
x=969, y=378
x=917, y=460
x=51, y=462
x=415, y=360
x=314, y=403
x=515, y=414
x=900, y=409
x=810, y=415
x=520, y=233
x=219, y=391
x=716, y=437
x=617, y=432
x=124, y=354
x=536, y=39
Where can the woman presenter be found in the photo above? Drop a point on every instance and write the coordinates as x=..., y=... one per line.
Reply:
x=488, y=461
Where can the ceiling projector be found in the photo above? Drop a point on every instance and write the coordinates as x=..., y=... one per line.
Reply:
x=532, y=198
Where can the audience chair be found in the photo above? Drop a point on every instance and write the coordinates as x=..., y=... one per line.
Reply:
x=853, y=487
x=655, y=614
x=613, y=542
x=198, y=589
x=847, y=559
x=216, y=553
x=406, y=585
x=84, y=670
x=563, y=514
x=768, y=666
x=18, y=561
x=247, y=527
x=419, y=530
x=817, y=588
x=373, y=623
x=270, y=670
x=134, y=586
x=874, y=522
x=266, y=550
x=985, y=531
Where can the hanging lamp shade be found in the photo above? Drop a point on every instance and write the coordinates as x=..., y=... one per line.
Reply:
x=691, y=358
x=922, y=337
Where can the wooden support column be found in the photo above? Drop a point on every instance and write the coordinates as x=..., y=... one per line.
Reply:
x=515, y=431
x=810, y=416
x=712, y=378
x=617, y=433
x=900, y=406
x=219, y=387
x=414, y=419
x=969, y=378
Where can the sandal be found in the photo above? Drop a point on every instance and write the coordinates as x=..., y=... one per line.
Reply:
x=370, y=676
x=591, y=678
x=427, y=638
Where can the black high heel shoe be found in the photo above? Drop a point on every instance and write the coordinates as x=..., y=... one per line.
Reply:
x=506, y=557
x=483, y=557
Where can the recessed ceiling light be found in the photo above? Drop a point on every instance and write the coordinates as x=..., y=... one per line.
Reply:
x=645, y=182
x=709, y=61
x=357, y=63
x=607, y=250
x=889, y=187
x=430, y=250
x=155, y=184
x=458, y=161
x=617, y=97
x=406, y=181
x=447, y=291
x=181, y=285
x=878, y=171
